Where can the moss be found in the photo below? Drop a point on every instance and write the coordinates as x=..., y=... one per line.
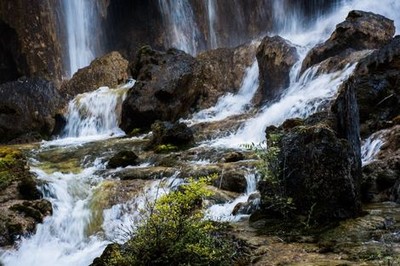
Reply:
x=12, y=164
x=135, y=132
x=165, y=148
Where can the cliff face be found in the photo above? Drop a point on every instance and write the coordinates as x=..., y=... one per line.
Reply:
x=30, y=43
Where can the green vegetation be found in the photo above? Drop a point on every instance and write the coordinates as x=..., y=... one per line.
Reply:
x=11, y=164
x=274, y=196
x=176, y=233
x=165, y=148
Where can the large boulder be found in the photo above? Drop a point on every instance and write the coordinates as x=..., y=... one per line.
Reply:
x=376, y=82
x=175, y=134
x=360, y=31
x=21, y=206
x=221, y=71
x=161, y=91
x=27, y=109
x=108, y=70
x=276, y=58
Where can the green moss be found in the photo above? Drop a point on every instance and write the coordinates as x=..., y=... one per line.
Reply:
x=165, y=148
x=135, y=132
x=12, y=163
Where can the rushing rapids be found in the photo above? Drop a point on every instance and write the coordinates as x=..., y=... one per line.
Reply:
x=74, y=234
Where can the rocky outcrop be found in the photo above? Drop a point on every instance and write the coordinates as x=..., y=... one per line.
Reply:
x=316, y=166
x=375, y=82
x=276, y=58
x=162, y=90
x=108, y=70
x=27, y=109
x=30, y=44
x=20, y=205
x=221, y=71
x=360, y=31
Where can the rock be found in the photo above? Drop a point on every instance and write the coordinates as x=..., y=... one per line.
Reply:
x=233, y=157
x=123, y=159
x=108, y=256
x=247, y=207
x=360, y=31
x=165, y=133
x=275, y=57
x=375, y=82
x=232, y=180
x=162, y=90
x=28, y=107
x=108, y=70
x=33, y=46
x=20, y=205
x=221, y=71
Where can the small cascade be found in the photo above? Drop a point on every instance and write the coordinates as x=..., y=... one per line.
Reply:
x=83, y=33
x=211, y=14
x=231, y=104
x=371, y=147
x=96, y=113
x=61, y=239
x=179, y=20
x=223, y=212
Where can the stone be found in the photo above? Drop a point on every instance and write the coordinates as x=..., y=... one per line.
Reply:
x=177, y=135
x=28, y=108
x=108, y=70
x=233, y=157
x=161, y=91
x=232, y=180
x=360, y=31
x=123, y=159
x=275, y=57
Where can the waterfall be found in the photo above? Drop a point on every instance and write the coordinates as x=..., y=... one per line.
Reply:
x=179, y=20
x=211, y=15
x=83, y=33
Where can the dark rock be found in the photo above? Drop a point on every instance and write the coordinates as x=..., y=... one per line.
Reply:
x=123, y=159
x=233, y=157
x=28, y=106
x=231, y=180
x=376, y=83
x=31, y=40
x=321, y=171
x=27, y=187
x=108, y=70
x=247, y=207
x=176, y=134
x=360, y=31
x=276, y=58
x=162, y=90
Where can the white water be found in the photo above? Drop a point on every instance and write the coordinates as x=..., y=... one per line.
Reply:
x=61, y=239
x=223, y=212
x=212, y=35
x=83, y=33
x=180, y=24
x=95, y=113
x=371, y=147
x=231, y=104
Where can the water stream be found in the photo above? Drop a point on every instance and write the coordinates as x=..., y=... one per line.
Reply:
x=64, y=238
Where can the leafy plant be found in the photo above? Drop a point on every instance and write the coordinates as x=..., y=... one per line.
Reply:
x=176, y=233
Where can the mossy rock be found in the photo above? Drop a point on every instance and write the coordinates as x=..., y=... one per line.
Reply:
x=123, y=159
x=165, y=148
x=12, y=166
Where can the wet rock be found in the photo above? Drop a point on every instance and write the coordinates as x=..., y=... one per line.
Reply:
x=221, y=71
x=361, y=30
x=20, y=205
x=111, y=252
x=162, y=90
x=275, y=57
x=27, y=109
x=33, y=40
x=232, y=180
x=123, y=159
x=175, y=134
x=108, y=70
x=249, y=206
x=375, y=81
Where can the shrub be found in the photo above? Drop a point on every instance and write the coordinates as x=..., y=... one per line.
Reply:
x=176, y=233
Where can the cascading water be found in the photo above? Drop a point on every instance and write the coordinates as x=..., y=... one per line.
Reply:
x=83, y=33
x=371, y=147
x=213, y=42
x=179, y=19
x=64, y=238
